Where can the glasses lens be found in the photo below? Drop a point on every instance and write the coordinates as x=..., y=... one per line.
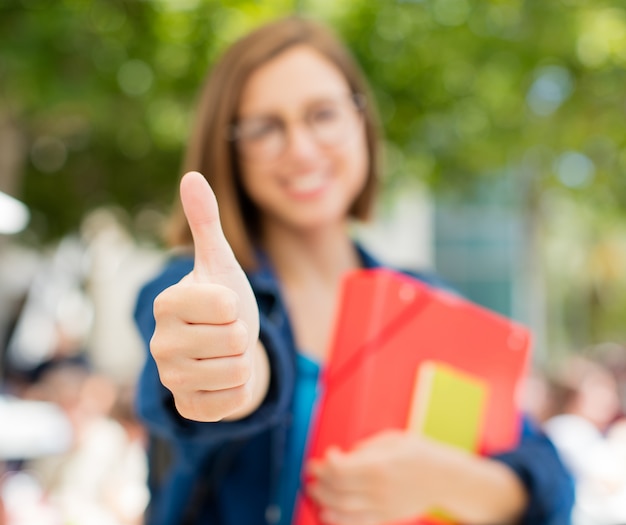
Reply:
x=260, y=137
x=333, y=122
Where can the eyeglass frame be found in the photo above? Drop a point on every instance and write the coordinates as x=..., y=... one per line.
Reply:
x=232, y=135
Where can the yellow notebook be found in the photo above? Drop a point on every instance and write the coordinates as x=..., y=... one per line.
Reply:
x=448, y=405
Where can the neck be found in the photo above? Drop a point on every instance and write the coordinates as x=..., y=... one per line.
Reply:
x=322, y=256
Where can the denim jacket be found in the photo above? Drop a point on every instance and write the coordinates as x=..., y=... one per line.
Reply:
x=226, y=473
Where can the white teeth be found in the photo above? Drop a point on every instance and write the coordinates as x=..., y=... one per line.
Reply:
x=307, y=183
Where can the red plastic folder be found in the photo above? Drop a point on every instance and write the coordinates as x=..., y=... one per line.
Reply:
x=388, y=325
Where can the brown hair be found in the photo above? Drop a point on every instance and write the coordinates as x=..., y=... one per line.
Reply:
x=210, y=153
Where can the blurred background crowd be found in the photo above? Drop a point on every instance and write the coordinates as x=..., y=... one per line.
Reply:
x=505, y=172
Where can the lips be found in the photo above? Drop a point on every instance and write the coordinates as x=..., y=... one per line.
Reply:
x=306, y=185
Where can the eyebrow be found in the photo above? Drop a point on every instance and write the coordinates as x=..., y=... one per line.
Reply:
x=310, y=103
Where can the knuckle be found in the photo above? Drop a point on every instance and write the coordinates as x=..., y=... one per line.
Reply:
x=182, y=408
x=161, y=307
x=156, y=346
x=172, y=378
x=169, y=302
x=238, y=338
x=198, y=406
x=163, y=348
x=187, y=408
x=212, y=406
x=227, y=305
x=159, y=348
x=241, y=395
x=241, y=370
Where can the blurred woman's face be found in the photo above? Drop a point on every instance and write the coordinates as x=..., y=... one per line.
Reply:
x=301, y=141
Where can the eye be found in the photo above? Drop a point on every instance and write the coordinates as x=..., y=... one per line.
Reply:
x=325, y=114
x=257, y=129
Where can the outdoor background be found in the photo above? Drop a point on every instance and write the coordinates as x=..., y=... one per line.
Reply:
x=505, y=156
x=510, y=112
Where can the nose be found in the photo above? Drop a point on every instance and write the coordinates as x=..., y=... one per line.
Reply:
x=300, y=143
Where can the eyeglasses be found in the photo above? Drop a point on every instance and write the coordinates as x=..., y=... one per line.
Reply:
x=329, y=122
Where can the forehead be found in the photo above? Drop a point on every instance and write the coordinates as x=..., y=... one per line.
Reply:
x=294, y=78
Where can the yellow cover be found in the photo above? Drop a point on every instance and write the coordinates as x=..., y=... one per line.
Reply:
x=448, y=405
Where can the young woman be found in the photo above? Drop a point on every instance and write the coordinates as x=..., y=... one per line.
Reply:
x=286, y=137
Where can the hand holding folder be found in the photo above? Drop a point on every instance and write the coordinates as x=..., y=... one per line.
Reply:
x=389, y=325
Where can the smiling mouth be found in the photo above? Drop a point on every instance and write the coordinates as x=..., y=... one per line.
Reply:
x=307, y=185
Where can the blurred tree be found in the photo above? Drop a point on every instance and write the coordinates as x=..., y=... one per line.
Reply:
x=102, y=91
x=469, y=89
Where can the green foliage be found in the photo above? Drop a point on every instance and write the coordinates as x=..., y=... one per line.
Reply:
x=471, y=87
x=103, y=92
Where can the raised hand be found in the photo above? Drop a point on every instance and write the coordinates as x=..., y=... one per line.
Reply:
x=207, y=326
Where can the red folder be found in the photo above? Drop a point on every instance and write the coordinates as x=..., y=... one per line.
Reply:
x=388, y=324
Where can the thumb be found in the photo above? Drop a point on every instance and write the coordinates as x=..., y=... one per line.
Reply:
x=213, y=254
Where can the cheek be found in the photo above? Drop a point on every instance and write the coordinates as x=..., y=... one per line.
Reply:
x=357, y=161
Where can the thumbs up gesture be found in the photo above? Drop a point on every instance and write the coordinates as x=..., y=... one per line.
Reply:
x=206, y=343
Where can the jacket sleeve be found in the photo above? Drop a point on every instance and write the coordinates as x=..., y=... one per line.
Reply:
x=549, y=485
x=155, y=403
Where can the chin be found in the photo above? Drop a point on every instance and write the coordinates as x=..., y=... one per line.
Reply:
x=321, y=220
